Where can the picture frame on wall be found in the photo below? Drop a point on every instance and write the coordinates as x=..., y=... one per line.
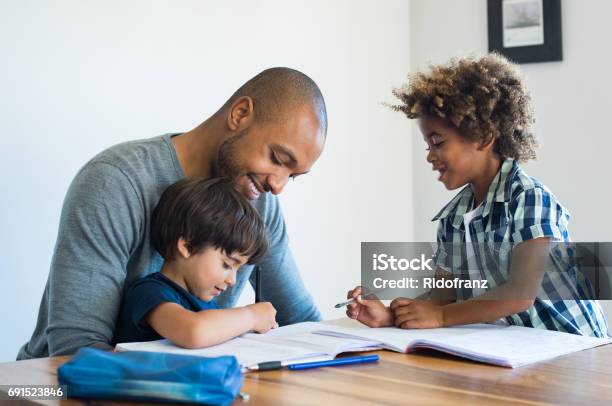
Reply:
x=525, y=31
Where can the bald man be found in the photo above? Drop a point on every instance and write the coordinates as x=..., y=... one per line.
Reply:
x=271, y=129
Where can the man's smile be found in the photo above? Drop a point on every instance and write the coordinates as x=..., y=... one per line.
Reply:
x=253, y=188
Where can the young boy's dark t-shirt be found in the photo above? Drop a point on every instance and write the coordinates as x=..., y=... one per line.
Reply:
x=142, y=297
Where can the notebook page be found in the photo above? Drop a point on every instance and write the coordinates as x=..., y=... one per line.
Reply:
x=282, y=344
x=292, y=329
x=401, y=340
x=248, y=352
x=317, y=344
x=515, y=346
x=510, y=346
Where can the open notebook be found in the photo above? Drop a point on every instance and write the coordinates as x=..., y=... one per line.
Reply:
x=508, y=346
x=294, y=344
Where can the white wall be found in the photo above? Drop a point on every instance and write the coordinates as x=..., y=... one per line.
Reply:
x=77, y=77
x=572, y=106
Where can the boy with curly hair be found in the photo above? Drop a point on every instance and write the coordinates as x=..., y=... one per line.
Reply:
x=475, y=117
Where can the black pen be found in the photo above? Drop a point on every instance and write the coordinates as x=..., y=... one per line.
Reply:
x=257, y=284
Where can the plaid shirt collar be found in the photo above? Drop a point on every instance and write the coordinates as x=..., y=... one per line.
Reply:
x=500, y=191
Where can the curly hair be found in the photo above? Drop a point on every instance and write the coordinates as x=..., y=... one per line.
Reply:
x=483, y=98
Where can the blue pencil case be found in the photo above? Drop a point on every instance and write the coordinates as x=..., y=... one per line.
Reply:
x=151, y=377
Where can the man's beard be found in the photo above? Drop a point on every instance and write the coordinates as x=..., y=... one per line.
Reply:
x=226, y=165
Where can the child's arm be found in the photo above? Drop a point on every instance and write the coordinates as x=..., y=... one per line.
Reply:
x=514, y=296
x=209, y=327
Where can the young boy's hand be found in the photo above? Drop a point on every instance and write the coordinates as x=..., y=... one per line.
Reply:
x=370, y=312
x=409, y=313
x=264, y=316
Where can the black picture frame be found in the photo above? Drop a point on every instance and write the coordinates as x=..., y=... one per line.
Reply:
x=550, y=50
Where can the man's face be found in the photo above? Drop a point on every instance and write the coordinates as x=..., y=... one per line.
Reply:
x=264, y=156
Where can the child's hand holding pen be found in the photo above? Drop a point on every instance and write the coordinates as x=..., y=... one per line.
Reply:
x=369, y=311
x=263, y=316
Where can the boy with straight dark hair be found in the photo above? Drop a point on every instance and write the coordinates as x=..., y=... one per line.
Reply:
x=205, y=230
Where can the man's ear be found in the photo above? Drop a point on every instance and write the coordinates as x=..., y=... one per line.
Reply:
x=240, y=114
x=181, y=246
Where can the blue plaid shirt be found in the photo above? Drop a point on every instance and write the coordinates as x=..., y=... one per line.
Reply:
x=517, y=208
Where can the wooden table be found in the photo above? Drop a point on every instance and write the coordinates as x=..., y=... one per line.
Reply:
x=430, y=378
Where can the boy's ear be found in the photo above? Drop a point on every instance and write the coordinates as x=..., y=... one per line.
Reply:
x=181, y=246
x=488, y=139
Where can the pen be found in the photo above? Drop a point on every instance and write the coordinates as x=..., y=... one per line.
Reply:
x=273, y=365
x=364, y=297
x=339, y=305
x=257, y=284
x=267, y=366
x=334, y=362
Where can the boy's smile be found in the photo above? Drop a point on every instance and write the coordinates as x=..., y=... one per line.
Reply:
x=441, y=169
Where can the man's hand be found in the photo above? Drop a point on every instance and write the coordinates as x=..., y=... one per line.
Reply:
x=409, y=313
x=264, y=316
x=370, y=312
